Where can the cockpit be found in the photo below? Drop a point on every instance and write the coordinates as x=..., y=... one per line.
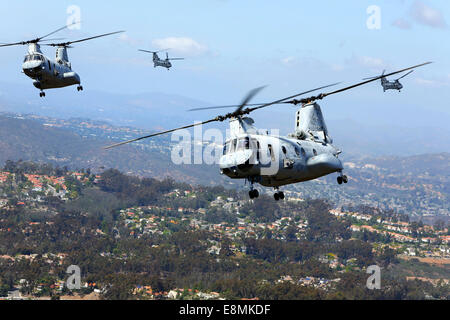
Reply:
x=236, y=145
x=33, y=57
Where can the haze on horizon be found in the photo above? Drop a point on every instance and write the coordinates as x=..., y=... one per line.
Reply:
x=233, y=46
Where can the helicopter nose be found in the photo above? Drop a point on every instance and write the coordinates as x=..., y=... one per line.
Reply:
x=32, y=67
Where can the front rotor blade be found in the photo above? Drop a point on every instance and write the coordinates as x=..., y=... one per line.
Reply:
x=62, y=28
x=223, y=107
x=249, y=97
x=161, y=133
x=81, y=40
x=12, y=44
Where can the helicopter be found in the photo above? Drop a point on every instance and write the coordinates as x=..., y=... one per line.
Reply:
x=391, y=85
x=157, y=62
x=274, y=161
x=48, y=74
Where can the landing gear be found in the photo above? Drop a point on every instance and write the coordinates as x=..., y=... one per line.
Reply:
x=42, y=94
x=254, y=194
x=80, y=88
x=342, y=179
x=279, y=195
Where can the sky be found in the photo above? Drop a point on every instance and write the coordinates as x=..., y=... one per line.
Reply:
x=232, y=46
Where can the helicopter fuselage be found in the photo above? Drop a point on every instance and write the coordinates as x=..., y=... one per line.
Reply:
x=391, y=85
x=48, y=74
x=274, y=161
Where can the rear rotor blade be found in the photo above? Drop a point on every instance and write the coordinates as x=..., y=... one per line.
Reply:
x=323, y=95
x=406, y=75
x=291, y=97
x=265, y=104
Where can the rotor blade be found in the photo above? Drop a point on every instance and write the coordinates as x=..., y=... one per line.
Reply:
x=323, y=95
x=223, y=107
x=406, y=75
x=368, y=78
x=249, y=97
x=264, y=104
x=37, y=39
x=13, y=44
x=147, y=51
x=291, y=97
x=81, y=40
x=176, y=59
x=62, y=28
x=161, y=133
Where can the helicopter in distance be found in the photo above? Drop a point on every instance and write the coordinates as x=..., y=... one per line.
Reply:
x=274, y=161
x=48, y=74
x=157, y=62
x=391, y=85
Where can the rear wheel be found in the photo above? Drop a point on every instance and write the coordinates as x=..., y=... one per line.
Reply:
x=340, y=180
x=276, y=196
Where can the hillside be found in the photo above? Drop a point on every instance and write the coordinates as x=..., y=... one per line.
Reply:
x=416, y=185
x=31, y=140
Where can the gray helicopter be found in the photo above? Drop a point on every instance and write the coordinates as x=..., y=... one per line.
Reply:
x=157, y=62
x=48, y=74
x=274, y=161
x=391, y=85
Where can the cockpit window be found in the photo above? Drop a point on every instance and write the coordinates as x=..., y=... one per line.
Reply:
x=244, y=144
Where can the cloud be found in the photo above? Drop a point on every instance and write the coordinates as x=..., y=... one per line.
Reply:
x=182, y=45
x=434, y=83
x=369, y=62
x=423, y=14
x=129, y=40
x=288, y=61
x=402, y=24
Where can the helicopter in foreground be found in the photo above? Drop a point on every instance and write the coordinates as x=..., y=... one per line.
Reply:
x=274, y=161
x=157, y=62
x=48, y=74
x=391, y=85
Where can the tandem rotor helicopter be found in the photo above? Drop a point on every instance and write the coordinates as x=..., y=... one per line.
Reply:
x=391, y=85
x=157, y=62
x=48, y=74
x=274, y=161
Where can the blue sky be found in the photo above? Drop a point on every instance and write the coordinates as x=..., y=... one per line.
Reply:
x=233, y=46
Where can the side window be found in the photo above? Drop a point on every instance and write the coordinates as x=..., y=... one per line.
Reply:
x=272, y=156
x=303, y=152
x=283, y=148
x=225, y=148
x=49, y=65
x=297, y=151
x=233, y=145
x=258, y=155
x=315, y=152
